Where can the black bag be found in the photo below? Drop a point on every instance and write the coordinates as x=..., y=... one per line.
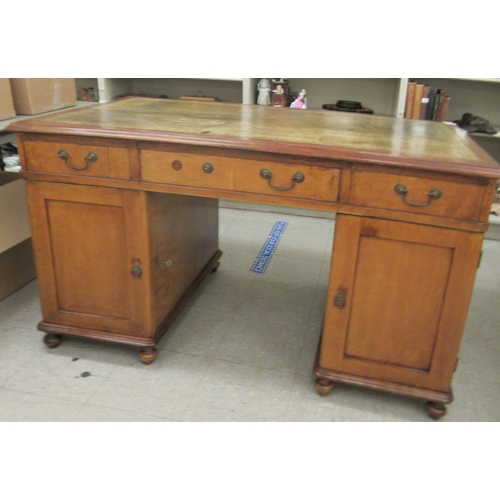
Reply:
x=473, y=123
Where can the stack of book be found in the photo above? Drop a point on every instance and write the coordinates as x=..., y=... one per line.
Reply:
x=423, y=103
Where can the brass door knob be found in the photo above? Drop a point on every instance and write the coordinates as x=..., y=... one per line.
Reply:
x=136, y=271
x=339, y=300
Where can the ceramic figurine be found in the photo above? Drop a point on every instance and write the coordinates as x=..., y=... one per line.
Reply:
x=264, y=88
x=301, y=101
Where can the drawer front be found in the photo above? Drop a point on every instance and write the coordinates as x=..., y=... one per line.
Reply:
x=283, y=179
x=76, y=159
x=235, y=174
x=407, y=193
x=186, y=169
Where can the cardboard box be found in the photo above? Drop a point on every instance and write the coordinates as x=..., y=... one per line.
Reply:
x=6, y=103
x=14, y=221
x=40, y=95
x=17, y=264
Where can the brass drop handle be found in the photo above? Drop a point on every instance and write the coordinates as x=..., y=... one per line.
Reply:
x=401, y=190
x=63, y=154
x=297, y=178
x=339, y=300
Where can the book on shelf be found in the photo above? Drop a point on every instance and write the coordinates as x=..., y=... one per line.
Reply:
x=436, y=104
x=446, y=105
x=423, y=103
x=410, y=98
x=417, y=102
x=443, y=106
x=429, y=112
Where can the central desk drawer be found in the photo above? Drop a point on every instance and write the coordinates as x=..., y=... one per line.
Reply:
x=236, y=174
x=431, y=195
x=76, y=159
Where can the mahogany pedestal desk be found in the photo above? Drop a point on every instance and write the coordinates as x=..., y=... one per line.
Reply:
x=123, y=202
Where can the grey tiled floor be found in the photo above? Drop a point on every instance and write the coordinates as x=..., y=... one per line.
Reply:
x=241, y=351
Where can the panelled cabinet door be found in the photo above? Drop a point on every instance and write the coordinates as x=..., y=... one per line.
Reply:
x=399, y=294
x=92, y=253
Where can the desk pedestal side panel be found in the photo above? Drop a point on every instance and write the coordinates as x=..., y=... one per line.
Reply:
x=397, y=304
x=184, y=234
x=100, y=255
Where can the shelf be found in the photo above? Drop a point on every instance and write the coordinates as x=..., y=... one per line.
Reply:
x=489, y=80
x=488, y=136
x=239, y=90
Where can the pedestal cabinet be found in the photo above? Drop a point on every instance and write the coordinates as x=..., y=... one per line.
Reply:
x=115, y=264
x=397, y=305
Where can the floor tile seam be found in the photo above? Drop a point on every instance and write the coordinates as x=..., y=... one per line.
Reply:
x=274, y=321
x=48, y=396
x=226, y=333
x=310, y=319
x=283, y=254
x=113, y=365
x=268, y=280
x=288, y=404
x=107, y=407
x=16, y=371
x=252, y=365
x=303, y=344
x=178, y=351
x=261, y=289
x=117, y=364
x=247, y=295
x=277, y=255
x=103, y=378
x=476, y=398
x=84, y=399
x=193, y=393
x=233, y=219
x=288, y=408
x=222, y=293
x=280, y=304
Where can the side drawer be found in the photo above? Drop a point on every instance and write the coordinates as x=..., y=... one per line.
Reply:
x=186, y=169
x=284, y=179
x=76, y=159
x=433, y=195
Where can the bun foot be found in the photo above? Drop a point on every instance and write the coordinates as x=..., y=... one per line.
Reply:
x=148, y=355
x=216, y=266
x=323, y=386
x=52, y=340
x=435, y=410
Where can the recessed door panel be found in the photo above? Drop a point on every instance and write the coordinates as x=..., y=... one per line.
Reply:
x=87, y=243
x=398, y=294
